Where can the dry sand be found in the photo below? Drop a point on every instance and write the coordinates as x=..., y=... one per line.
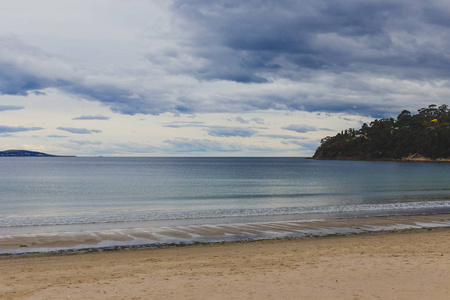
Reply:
x=406, y=265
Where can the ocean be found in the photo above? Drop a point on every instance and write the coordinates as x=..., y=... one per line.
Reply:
x=61, y=203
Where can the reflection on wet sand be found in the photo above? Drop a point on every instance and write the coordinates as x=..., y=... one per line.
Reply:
x=154, y=236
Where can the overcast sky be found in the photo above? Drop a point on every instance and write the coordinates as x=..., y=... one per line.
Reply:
x=213, y=78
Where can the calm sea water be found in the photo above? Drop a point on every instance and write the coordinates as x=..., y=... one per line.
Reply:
x=61, y=192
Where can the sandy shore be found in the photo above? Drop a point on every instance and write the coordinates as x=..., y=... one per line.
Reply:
x=128, y=237
x=405, y=265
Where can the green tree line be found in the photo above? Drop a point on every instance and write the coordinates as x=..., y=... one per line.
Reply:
x=426, y=133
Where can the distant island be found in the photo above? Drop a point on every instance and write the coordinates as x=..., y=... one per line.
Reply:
x=26, y=153
x=424, y=136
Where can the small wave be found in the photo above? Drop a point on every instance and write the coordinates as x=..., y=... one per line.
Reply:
x=221, y=213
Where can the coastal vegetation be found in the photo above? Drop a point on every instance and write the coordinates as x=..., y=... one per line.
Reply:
x=422, y=136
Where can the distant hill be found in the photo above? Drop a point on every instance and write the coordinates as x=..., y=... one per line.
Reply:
x=424, y=136
x=26, y=153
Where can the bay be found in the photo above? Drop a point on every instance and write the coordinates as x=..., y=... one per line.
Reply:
x=50, y=188
x=97, y=193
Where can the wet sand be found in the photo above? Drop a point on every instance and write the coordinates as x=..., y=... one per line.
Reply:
x=136, y=237
x=403, y=265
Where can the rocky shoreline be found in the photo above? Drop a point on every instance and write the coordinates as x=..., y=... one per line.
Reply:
x=411, y=158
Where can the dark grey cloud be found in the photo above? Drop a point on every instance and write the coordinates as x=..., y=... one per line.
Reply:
x=10, y=107
x=9, y=129
x=14, y=81
x=253, y=41
x=48, y=70
x=330, y=45
x=231, y=132
x=79, y=130
x=124, y=99
x=300, y=128
x=91, y=118
x=315, y=101
x=18, y=73
x=56, y=136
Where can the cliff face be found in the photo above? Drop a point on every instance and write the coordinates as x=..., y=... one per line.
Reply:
x=425, y=135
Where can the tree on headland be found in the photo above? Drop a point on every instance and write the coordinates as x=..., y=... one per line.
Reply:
x=425, y=134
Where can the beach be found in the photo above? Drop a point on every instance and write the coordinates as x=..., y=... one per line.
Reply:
x=223, y=228
x=408, y=264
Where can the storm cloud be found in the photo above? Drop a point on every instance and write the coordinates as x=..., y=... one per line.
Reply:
x=256, y=41
x=347, y=56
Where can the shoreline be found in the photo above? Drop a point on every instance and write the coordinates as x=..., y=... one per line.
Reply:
x=154, y=237
x=397, y=265
x=156, y=246
x=403, y=159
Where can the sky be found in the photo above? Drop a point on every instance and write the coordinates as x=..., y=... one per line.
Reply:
x=213, y=78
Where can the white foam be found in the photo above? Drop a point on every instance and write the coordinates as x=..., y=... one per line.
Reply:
x=210, y=214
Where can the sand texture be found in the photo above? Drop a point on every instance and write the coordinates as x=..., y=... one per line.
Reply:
x=406, y=265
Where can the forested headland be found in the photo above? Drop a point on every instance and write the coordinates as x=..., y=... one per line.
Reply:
x=422, y=136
